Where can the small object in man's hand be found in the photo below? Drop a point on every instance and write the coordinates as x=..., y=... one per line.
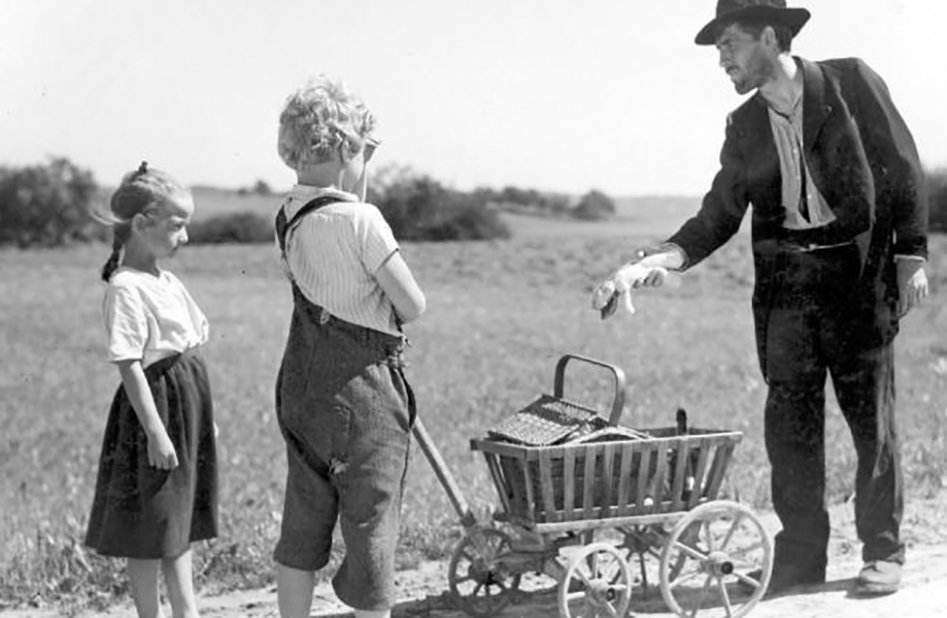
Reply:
x=611, y=306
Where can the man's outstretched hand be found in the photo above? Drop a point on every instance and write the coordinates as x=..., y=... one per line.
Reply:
x=651, y=270
x=615, y=291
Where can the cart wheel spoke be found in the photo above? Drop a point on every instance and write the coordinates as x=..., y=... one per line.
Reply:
x=643, y=567
x=725, y=597
x=603, y=575
x=480, y=583
x=703, y=595
x=746, y=579
x=582, y=577
x=592, y=562
x=710, y=536
x=733, y=528
x=732, y=543
x=690, y=551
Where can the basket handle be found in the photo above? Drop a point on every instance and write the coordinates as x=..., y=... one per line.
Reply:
x=619, y=401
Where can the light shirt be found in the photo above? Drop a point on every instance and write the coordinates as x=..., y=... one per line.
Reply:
x=333, y=254
x=787, y=132
x=150, y=317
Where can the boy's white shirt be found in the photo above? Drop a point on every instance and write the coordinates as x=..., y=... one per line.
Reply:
x=149, y=317
x=334, y=254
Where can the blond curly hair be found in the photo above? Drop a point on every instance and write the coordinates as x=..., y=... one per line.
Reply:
x=320, y=119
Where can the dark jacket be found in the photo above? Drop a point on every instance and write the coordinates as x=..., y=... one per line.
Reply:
x=864, y=162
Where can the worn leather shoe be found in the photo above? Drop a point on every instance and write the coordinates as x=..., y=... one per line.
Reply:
x=878, y=577
x=787, y=577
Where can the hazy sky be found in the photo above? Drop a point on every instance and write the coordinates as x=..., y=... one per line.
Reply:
x=562, y=95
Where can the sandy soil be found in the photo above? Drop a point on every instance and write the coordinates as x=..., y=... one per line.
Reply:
x=423, y=591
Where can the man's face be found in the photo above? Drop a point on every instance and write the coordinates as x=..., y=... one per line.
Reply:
x=745, y=58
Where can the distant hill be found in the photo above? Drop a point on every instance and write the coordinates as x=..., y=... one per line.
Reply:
x=655, y=215
x=211, y=201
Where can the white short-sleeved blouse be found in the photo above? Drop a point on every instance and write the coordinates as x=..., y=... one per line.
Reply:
x=334, y=254
x=150, y=317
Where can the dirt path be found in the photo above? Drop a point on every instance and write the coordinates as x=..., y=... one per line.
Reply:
x=422, y=592
x=923, y=595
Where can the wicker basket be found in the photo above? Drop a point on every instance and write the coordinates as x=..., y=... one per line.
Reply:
x=600, y=480
x=629, y=473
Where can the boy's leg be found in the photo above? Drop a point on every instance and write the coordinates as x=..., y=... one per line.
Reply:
x=143, y=575
x=178, y=575
x=363, y=613
x=294, y=591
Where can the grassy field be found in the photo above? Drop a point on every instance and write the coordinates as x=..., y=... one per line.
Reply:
x=500, y=315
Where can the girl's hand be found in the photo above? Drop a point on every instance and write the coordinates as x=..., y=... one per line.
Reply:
x=160, y=449
x=161, y=452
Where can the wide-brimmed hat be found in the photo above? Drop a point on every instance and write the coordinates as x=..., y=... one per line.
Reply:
x=734, y=10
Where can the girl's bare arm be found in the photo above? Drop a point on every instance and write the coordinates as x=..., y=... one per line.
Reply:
x=160, y=449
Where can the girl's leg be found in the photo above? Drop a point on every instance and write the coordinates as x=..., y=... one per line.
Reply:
x=143, y=575
x=364, y=613
x=178, y=575
x=294, y=591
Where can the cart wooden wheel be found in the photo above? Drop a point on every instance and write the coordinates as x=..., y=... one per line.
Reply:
x=479, y=581
x=706, y=562
x=597, y=583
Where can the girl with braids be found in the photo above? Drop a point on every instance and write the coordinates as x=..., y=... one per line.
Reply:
x=156, y=491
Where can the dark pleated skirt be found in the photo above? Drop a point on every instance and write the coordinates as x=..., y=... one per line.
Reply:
x=143, y=512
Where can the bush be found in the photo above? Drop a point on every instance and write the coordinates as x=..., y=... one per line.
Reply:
x=241, y=227
x=464, y=218
x=260, y=187
x=47, y=205
x=937, y=196
x=526, y=201
x=420, y=208
x=594, y=205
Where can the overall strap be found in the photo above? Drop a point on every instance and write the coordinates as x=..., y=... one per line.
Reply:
x=284, y=227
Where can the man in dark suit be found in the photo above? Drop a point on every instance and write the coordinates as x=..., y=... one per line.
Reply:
x=839, y=232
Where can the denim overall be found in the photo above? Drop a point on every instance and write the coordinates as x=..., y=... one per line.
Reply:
x=345, y=411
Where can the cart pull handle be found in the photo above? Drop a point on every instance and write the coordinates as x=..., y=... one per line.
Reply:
x=467, y=517
x=618, y=403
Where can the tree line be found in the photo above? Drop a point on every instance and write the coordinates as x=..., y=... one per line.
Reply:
x=48, y=205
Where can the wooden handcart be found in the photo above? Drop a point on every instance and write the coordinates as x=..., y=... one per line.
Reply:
x=582, y=512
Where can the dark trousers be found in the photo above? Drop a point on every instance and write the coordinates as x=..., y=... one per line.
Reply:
x=818, y=325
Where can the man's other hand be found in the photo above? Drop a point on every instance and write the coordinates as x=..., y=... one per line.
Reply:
x=912, y=285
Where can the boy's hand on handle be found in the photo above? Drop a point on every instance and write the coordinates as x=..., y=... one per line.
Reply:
x=161, y=451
